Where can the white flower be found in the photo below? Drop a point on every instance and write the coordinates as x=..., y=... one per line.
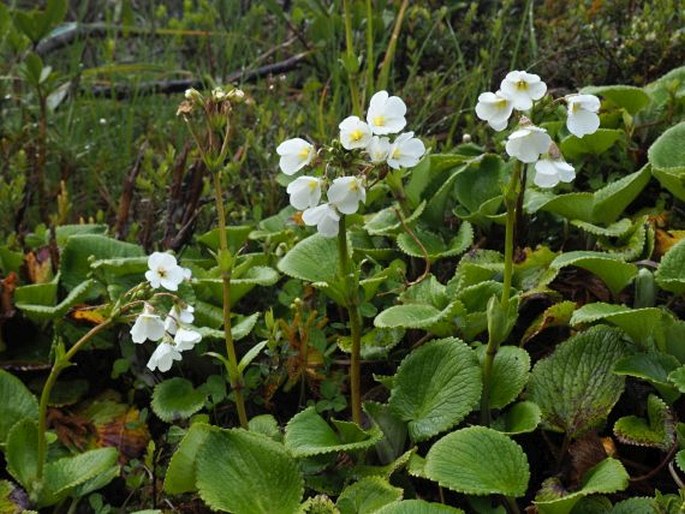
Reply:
x=522, y=88
x=527, y=143
x=494, y=108
x=163, y=357
x=177, y=316
x=148, y=325
x=345, y=194
x=165, y=272
x=582, y=115
x=186, y=339
x=354, y=133
x=378, y=149
x=304, y=192
x=325, y=217
x=406, y=151
x=218, y=94
x=549, y=172
x=295, y=154
x=386, y=113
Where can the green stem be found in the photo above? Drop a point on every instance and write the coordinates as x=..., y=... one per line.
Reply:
x=351, y=58
x=352, y=304
x=390, y=52
x=62, y=362
x=370, y=58
x=225, y=266
x=511, y=196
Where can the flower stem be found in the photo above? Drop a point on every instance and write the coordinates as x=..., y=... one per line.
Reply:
x=511, y=196
x=61, y=362
x=390, y=52
x=225, y=263
x=351, y=58
x=351, y=284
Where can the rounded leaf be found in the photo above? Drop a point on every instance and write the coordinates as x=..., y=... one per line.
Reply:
x=479, y=461
x=575, y=387
x=509, y=374
x=435, y=387
x=418, y=507
x=176, y=398
x=255, y=475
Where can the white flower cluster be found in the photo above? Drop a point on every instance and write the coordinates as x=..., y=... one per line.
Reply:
x=175, y=330
x=385, y=116
x=530, y=144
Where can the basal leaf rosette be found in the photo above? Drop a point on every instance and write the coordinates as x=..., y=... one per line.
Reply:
x=435, y=387
x=575, y=387
x=247, y=473
x=308, y=434
x=478, y=461
x=609, y=476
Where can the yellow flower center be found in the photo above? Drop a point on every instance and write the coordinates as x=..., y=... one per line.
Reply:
x=575, y=107
x=161, y=272
x=501, y=103
x=379, y=121
x=304, y=153
x=396, y=153
x=354, y=186
x=522, y=85
x=356, y=135
x=313, y=184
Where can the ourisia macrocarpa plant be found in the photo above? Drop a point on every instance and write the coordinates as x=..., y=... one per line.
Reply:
x=374, y=157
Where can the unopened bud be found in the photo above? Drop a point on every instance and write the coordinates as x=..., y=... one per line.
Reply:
x=466, y=138
x=193, y=95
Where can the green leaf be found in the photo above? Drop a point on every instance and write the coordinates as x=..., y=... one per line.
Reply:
x=367, y=496
x=557, y=315
x=22, y=454
x=82, y=248
x=642, y=325
x=77, y=295
x=520, y=418
x=658, y=431
x=509, y=374
x=618, y=229
x=435, y=387
x=236, y=236
x=667, y=157
x=386, y=221
x=611, y=201
x=630, y=98
x=394, y=431
x=315, y=260
x=307, y=434
x=255, y=475
x=635, y=506
x=575, y=387
x=654, y=367
x=573, y=148
x=677, y=378
x=670, y=276
x=418, y=316
x=680, y=460
x=251, y=355
x=606, y=477
x=266, y=424
x=615, y=273
x=175, y=399
x=573, y=206
x=181, y=474
x=254, y=276
x=478, y=189
x=64, y=475
x=479, y=461
x=418, y=507
x=435, y=246
x=17, y=403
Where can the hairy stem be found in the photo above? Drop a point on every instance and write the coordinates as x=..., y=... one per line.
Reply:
x=352, y=306
x=225, y=266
